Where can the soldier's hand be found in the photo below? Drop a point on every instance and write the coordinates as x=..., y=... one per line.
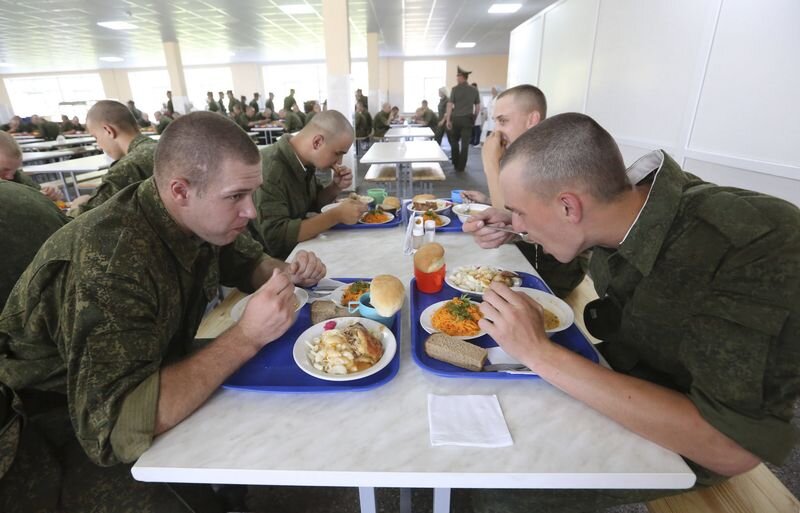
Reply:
x=349, y=211
x=515, y=321
x=449, y=125
x=493, y=147
x=270, y=311
x=475, y=197
x=52, y=193
x=480, y=226
x=306, y=269
x=342, y=176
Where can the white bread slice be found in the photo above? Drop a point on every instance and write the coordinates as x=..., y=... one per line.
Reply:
x=455, y=351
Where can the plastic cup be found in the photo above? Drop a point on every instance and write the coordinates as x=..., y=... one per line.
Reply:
x=377, y=194
x=430, y=283
x=455, y=196
x=365, y=308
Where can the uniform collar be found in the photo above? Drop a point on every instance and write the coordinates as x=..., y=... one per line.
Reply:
x=292, y=158
x=185, y=247
x=139, y=140
x=644, y=239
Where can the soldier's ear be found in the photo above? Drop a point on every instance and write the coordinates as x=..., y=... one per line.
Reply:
x=318, y=141
x=179, y=191
x=571, y=207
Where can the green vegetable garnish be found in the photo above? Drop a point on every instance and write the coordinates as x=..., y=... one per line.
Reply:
x=460, y=307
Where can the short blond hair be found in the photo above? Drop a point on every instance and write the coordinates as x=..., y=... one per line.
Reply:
x=9, y=146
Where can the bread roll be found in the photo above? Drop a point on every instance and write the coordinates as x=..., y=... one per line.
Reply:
x=429, y=257
x=387, y=294
x=391, y=202
x=421, y=198
x=455, y=352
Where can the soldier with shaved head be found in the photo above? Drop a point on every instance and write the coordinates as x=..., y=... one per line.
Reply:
x=291, y=190
x=96, y=338
x=117, y=134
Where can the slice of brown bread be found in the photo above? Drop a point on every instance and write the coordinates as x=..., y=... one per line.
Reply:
x=324, y=310
x=455, y=351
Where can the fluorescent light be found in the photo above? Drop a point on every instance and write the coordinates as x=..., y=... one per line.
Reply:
x=296, y=9
x=504, y=8
x=111, y=59
x=465, y=44
x=117, y=25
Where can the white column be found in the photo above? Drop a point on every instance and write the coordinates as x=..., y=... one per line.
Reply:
x=373, y=68
x=5, y=103
x=180, y=98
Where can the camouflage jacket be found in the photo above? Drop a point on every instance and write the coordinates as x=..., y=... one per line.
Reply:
x=21, y=178
x=706, y=286
x=380, y=124
x=108, y=301
x=289, y=191
x=135, y=166
x=27, y=219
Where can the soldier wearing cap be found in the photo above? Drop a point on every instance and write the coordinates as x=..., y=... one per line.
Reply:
x=462, y=110
x=96, y=339
x=699, y=311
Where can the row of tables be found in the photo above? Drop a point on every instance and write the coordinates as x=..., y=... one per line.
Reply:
x=380, y=437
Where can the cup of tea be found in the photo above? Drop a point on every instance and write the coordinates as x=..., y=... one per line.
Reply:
x=365, y=308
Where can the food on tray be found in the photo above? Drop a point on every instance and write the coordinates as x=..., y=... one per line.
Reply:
x=387, y=294
x=430, y=215
x=458, y=317
x=324, y=310
x=390, y=203
x=375, y=216
x=551, y=320
x=422, y=202
x=354, y=291
x=455, y=351
x=356, y=197
x=346, y=350
x=429, y=258
x=477, y=278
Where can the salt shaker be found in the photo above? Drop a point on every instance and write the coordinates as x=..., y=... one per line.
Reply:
x=417, y=237
x=430, y=230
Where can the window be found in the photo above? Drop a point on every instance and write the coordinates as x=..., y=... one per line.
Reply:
x=149, y=89
x=360, y=73
x=44, y=95
x=310, y=82
x=199, y=81
x=421, y=81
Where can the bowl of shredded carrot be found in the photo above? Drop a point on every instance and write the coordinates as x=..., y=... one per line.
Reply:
x=376, y=216
x=458, y=318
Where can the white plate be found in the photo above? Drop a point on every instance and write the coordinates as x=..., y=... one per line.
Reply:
x=442, y=205
x=337, y=294
x=384, y=334
x=449, y=278
x=565, y=314
x=391, y=218
x=300, y=295
x=329, y=206
x=426, y=317
x=363, y=199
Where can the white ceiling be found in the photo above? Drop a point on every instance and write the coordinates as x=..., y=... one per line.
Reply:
x=51, y=35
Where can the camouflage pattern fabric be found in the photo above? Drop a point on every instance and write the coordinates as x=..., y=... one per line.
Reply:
x=289, y=191
x=292, y=122
x=380, y=124
x=27, y=219
x=459, y=138
x=162, y=125
x=429, y=119
x=561, y=278
x=464, y=97
x=111, y=298
x=362, y=126
x=21, y=178
x=135, y=166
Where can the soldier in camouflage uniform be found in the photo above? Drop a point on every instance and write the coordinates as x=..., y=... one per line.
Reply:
x=96, y=339
x=699, y=308
x=11, y=162
x=118, y=136
x=380, y=123
x=163, y=121
x=462, y=110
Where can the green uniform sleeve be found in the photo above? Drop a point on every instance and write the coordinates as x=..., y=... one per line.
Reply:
x=277, y=230
x=238, y=260
x=133, y=431
x=21, y=178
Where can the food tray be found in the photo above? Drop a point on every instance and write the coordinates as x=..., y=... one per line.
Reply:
x=571, y=338
x=361, y=226
x=454, y=226
x=273, y=369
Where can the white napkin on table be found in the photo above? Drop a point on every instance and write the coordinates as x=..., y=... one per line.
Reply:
x=467, y=420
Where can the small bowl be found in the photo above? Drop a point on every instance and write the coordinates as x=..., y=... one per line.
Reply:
x=367, y=200
x=557, y=306
x=464, y=210
x=365, y=308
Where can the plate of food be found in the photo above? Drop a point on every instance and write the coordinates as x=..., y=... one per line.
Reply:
x=558, y=315
x=464, y=210
x=376, y=216
x=348, y=292
x=440, y=220
x=300, y=298
x=421, y=203
x=475, y=279
x=344, y=349
x=457, y=317
x=354, y=196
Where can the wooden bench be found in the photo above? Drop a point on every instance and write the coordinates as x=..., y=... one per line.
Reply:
x=756, y=491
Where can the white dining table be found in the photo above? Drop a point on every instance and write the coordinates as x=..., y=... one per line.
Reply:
x=72, y=167
x=30, y=158
x=409, y=133
x=27, y=138
x=403, y=154
x=51, y=145
x=269, y=132
x=380, y=437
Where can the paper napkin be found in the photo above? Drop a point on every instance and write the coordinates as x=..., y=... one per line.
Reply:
x=467, y=420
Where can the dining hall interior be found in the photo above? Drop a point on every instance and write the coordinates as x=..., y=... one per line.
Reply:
x=342, y=256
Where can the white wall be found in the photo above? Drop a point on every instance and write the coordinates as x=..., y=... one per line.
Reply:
x=714, y=83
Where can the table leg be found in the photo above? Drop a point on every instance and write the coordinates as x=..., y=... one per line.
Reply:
x=66, y=186
x=405, y=500
x=366, y=496
x=441, y=500
x=75, y=184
